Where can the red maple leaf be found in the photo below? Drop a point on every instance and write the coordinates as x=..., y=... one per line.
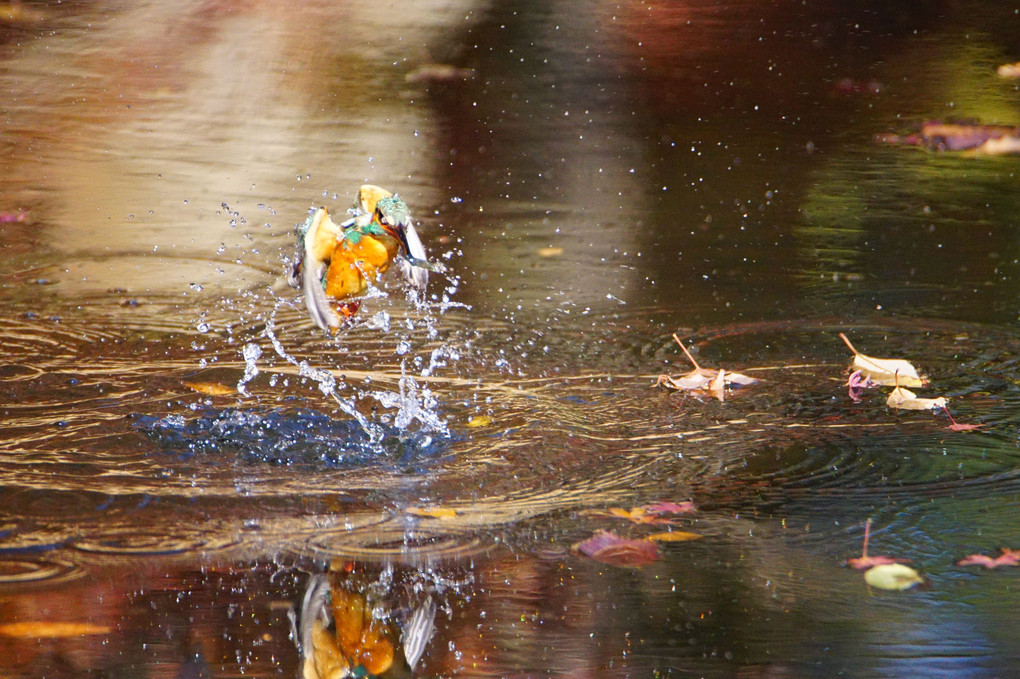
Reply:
x=1009, y=557
x=864, y=562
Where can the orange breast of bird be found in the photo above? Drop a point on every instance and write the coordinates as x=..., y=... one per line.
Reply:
x=354, y=265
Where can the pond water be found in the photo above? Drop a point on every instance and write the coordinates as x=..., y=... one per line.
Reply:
x=196, y=482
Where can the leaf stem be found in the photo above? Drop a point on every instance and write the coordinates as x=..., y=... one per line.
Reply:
x=850, y=346
x=689, y=357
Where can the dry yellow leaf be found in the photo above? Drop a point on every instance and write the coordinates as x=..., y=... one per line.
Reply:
x=433, y=512
x=550, y=252
x=479, y=421
x=211, y=388
x=892, y=576
x=673, y=536
x=907, y=400
x=50, y=630
x=884, y=371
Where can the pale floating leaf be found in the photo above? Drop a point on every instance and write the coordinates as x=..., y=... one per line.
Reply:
x=717, y=387
x=893, y=577
x=885, y=371
x=687, y=382
x=907, y=400
x=479, y=421
x=1009, y=70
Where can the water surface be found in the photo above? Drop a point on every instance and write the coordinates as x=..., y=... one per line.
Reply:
x=183, y=452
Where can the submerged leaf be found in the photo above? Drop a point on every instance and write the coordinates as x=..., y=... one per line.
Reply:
x=893, y=577
x=885, y=371
x=610, y=548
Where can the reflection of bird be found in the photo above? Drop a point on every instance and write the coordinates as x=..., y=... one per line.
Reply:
x=342, y=260
x=343, y=632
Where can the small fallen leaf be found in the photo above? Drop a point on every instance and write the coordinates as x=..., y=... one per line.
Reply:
x=685, y=507
x=884, y=371
x=655, y=513
x=1009, y=69
x=637, y=515
x=893, y=577
x=714, y=381
x=50, y=630
x=1009, y=557
x=439, y=73
x=864, y=561
x=433, y=512
x=610, y=548
x=13, y=217
x=907, y=400
x=717, y=387
x=957, y=426
x=673, y=536
x=211, y=388
x=479, y=421
x=550, y=252
x=970, y=137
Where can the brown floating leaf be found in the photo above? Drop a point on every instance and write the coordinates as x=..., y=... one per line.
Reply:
x=610, y=548
x=685, y=507
x=433, y=512
x=673, y=536
x=211, y=388
x=885, y=371
x=50, y=630
x=479, y=421
x=1009, y=557
x=550, y=252
x=893, y=576
x=654, y=513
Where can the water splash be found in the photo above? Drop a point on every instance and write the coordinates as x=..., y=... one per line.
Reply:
x=323, y=378
x=251, y=353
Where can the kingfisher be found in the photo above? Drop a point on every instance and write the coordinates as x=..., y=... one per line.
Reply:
x=340, y=261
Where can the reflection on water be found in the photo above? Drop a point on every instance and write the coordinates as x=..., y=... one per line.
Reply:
x=184, y=458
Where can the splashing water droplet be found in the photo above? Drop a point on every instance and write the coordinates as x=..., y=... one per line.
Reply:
x=251, y=353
